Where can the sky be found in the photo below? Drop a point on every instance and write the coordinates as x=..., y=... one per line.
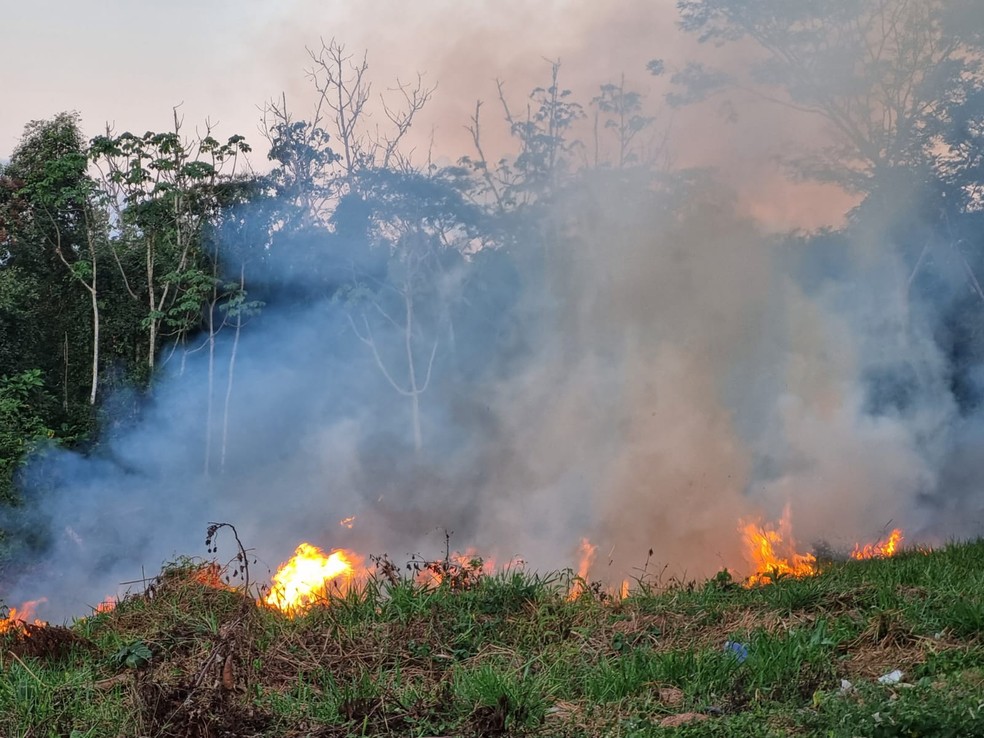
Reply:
x=128, y=63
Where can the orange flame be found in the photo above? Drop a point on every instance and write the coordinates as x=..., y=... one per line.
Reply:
x=305, y=577
x=210, y=575
x=881, y=550
x=18, y=616
x=587, y=555
x=347, y=522
x=772, y=552
x=107, y=605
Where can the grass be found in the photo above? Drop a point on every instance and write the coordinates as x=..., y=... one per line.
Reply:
x=509, y=654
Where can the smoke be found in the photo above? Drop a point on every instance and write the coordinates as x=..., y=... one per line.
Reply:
x=658, y=367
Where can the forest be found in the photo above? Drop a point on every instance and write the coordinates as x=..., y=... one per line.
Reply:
x=575, y=336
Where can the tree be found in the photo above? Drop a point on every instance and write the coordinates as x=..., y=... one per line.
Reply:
x=52, y=215
x=310, y=172
x=899, y=84
x=403, y=312
x=164, y=191
x=23, y=408
x=620, y=110
x=545, y=148
x=881, y=73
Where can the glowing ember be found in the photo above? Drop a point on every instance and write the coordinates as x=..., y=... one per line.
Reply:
x=304, y=579
x=18, y=616
x=210, y=575
x=347, y=522
x=772, y=552
x=881, y=550
x=586, y=558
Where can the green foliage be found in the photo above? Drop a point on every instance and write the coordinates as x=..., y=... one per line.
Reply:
x=133, y=655
x=23, y=405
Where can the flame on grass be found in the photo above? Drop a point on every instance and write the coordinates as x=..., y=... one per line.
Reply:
x=309, y=575
x=888, y=546
x=771, y=551
x=18, y=616
x=586, y=557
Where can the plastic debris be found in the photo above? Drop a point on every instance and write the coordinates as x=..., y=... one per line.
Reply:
x=892, y=677
x=846, y=688
x=739, y=650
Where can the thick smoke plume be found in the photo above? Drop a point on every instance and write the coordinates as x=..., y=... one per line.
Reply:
x=679, y=367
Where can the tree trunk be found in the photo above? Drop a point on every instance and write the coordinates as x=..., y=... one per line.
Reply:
x=95, y=340
x=151, y=304
x=228, y=395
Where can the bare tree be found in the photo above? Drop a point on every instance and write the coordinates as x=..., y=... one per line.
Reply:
x=323, y=155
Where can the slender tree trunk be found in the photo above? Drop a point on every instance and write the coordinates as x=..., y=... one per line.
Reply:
x=93, y=291
x=231, y=373
x=95, y=343
x=228, y=395
x=65, y=376
x=94, y=295
x=414, y=393
x=151, y=304
x=211, y=388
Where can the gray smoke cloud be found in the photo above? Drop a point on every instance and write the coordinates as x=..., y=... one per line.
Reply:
x=680, y=367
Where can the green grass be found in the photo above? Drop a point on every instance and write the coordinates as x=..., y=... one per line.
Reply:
x=509, y=654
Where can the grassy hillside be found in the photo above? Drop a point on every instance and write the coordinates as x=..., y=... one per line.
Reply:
x=512, y=654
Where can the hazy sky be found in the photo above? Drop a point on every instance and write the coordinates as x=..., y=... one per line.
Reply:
x=128, y=62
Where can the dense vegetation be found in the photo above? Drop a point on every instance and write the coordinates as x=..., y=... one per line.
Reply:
x=512, y=653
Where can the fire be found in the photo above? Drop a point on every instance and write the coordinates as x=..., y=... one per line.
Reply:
x=586, y=558
x=347, y=522
x=107, y=605
x=18, y=616
x=772, y=551
x=881, y=550
x=305, y=577
x=210, y=575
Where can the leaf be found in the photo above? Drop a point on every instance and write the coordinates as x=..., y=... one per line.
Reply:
x=133, y=656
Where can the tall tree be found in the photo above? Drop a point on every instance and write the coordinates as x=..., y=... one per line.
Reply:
x=54, y=216
x=164, y=190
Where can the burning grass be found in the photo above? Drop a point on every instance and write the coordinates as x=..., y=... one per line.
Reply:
x=512, y=653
